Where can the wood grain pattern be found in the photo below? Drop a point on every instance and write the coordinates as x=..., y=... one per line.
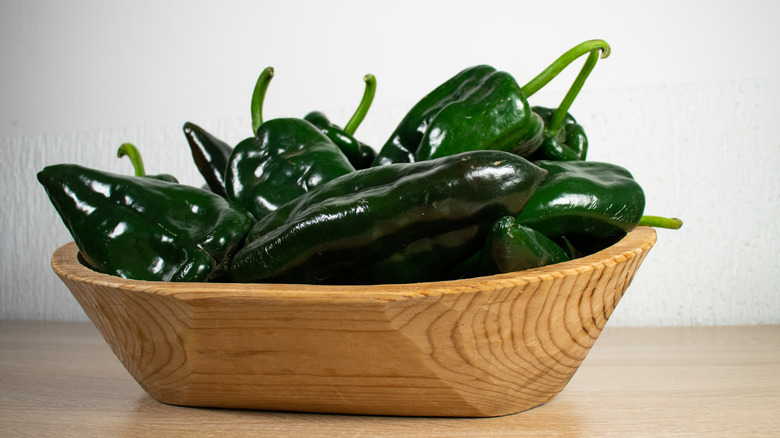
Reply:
x=61, y=380
x=478, y=347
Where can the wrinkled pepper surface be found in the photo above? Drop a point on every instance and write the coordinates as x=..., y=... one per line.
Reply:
x=285, y=158
x=493, y=115
x=388, y=224
x=143, y=228
x=405, y=139
x=590, y=204
x=210, y=154
x=478, y=108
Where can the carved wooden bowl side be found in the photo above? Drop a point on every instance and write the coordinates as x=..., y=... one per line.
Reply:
x=476, y=347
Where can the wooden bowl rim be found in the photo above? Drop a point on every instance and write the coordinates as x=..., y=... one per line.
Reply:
x=66, y=265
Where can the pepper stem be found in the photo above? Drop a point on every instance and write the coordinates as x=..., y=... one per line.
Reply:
x=560, y=113
x=258, y=97
x=562, y=62
x=365, y=104
x=661, y=222
x=134, y=156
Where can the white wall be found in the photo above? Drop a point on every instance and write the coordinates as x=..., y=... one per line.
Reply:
x=688, y=101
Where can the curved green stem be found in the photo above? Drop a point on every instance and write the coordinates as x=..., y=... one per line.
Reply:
x=661, y=222
x=365, y=104
x=562, y=62
x=135, y=157
x=258, y=96
x=560, y=113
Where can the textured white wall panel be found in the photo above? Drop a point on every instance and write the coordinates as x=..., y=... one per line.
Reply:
x=691, y=110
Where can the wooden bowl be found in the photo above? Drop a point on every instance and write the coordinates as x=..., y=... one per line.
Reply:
x=477, y=347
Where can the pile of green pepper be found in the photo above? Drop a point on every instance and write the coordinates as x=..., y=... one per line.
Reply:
x=473, y=181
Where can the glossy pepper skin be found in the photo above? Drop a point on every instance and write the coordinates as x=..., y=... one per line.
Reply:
x=478, y=108
x=567, y=143
x=590, y=204
x=146, y=229
x=360, y=155
x=510, y=247
x=389, y=224
x=285, y=159
x=210, y=154
x=494, y=115
x=404, y=142
x=405, y=139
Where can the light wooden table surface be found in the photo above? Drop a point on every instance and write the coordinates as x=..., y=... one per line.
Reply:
x=61, y=379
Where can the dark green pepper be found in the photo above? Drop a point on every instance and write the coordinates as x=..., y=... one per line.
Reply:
x=567, y=143
x=389, y=224
x=211, y=156
x=144, y=228
x=494, y=115
x=564, y=139
x=591, y=204
x=405, y=139
x=478, y=108
x=131, y=152
x=464, y=102
x=285, y=158
x=359, y=154
x=510, y=247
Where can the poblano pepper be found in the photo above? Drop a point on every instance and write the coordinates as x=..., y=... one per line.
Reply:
x=389, y=224
x=360, y=155
x=494, y=115
x=405, y=139
x=591, y=204
x=510, y=247
x=143, y=228
x=210, y=154
x=285, y=158
x=564, y=139
x=478, y=108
